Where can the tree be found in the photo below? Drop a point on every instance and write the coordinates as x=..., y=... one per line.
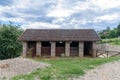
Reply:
x=105, y=33
x=113, y=33
x=118, y=29
x=107, y=28
x=10, y=47
x=110, y=33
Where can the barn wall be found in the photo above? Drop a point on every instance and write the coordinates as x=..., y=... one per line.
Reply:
x=50, y=49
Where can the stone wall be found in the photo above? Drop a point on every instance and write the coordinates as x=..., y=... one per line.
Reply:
x=53, y=45
x=81, y=49
x=24, y=49
x=67, y=49
x=79, y=52
x=38, y=49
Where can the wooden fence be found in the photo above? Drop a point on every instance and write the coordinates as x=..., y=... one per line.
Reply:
x=106, y=50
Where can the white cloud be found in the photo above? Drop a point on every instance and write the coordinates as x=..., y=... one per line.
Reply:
x=106, y=4
x=58, y=12
x=40, y=25
x=18, y=4
x=82, y=6
x=108, y=17
x=18, y=19
x=63, y=9
x=9, y=10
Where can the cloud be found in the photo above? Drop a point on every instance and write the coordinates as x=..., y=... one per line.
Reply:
x=59, y=10
x=6, y=2
x=14, y=19
x=106, y=4
x=61, y=13
x=108, y=17
x=67, y=8
x=40, y=25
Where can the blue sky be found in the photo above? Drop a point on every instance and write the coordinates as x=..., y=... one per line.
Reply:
x=66, y=14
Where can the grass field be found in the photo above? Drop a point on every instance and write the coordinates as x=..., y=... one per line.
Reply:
x=64, y=68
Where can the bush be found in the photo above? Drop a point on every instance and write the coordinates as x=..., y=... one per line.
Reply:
x=9, y=46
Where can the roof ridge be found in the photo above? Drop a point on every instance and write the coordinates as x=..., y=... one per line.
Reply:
x=59, y=29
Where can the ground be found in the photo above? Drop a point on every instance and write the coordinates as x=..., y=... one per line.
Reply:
x=65, y=68
x=60, y=69
x=108, y=71
x=17, y=66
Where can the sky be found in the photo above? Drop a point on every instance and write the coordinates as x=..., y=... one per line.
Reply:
x=61, y=14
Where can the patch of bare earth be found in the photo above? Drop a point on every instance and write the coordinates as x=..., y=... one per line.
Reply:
x=17, y=66
x=108, y=71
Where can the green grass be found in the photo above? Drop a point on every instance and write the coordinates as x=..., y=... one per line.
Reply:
x=112, y=41
x=64, y=68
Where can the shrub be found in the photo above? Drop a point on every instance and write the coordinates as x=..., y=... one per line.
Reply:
x=9, y=46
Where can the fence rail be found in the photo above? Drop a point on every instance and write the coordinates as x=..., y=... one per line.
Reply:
x=105, y=50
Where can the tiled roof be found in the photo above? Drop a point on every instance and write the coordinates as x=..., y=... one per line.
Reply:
x=59, y=35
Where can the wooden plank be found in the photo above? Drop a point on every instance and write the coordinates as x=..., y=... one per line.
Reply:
x=60, y=50
x=45, y=51
x=74, y=51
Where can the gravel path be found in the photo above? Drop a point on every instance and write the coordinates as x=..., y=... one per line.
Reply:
x=12, y=67
x=108, y=71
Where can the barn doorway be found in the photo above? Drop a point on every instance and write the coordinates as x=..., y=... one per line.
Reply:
x=45, y=48
x=60, y=48
x=31, y=49
x=88, y=48
x=74, y=48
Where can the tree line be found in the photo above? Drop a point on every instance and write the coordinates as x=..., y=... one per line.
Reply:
x=110, y=33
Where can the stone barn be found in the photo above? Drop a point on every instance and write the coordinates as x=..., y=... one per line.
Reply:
x=59, y=42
